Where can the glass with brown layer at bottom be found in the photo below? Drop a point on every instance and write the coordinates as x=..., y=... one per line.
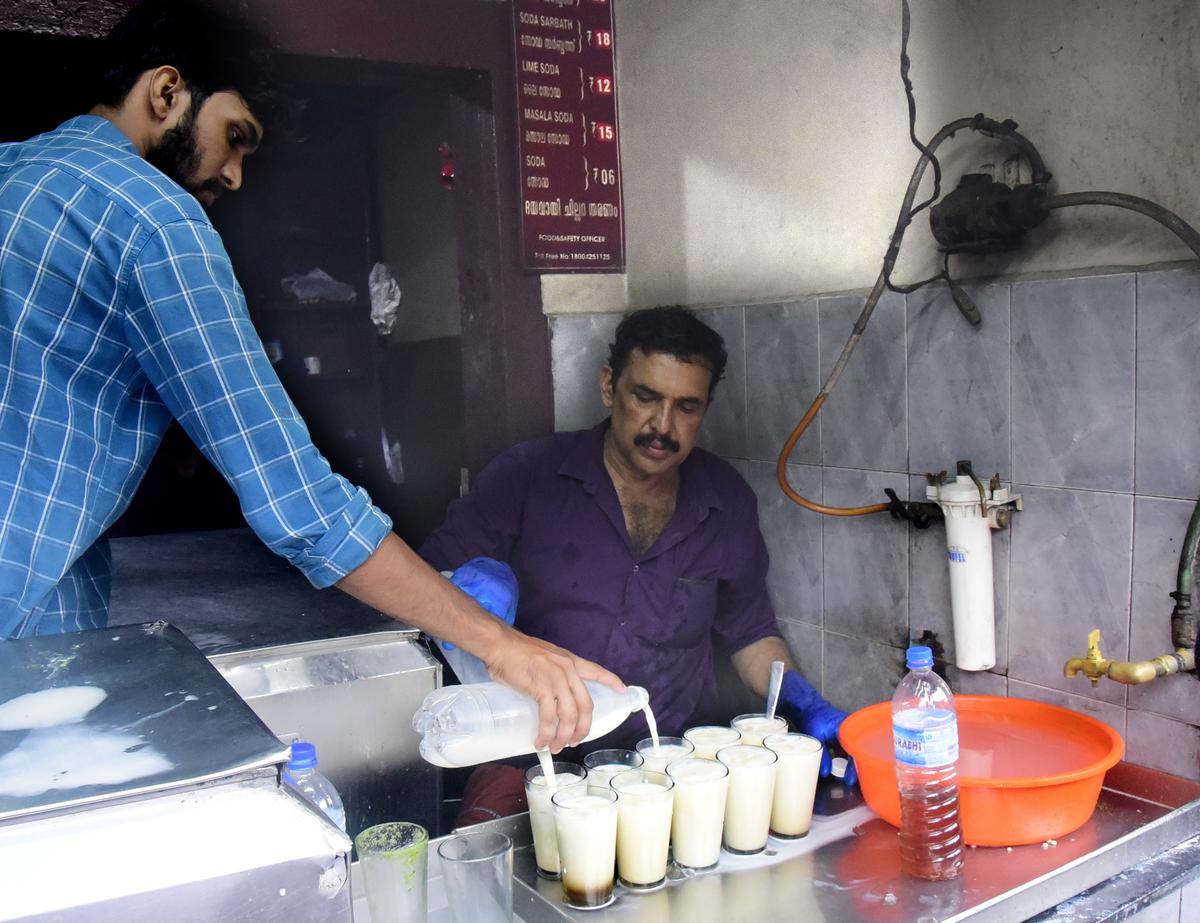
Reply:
x=541, y=813
x=751, y=793
x=698, y=816
x=586, y=825
x=644, y=804
x=795, y=783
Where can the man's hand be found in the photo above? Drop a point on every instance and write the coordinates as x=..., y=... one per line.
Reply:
x=815, y=717
x=552, y=677
x=399, y=584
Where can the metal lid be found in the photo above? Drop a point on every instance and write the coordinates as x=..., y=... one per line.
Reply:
x=91, y=716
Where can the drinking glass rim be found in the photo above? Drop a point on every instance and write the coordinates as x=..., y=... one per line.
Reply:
x=757, y=714
x=663, y=741
x=797, y=734
x=420, y=837
x=700, y=759
x=641, y=760
x=712, y=727
x=664, y=780
x=774, y=755
x=503, y=845
x=608, y=794
x=535, y=771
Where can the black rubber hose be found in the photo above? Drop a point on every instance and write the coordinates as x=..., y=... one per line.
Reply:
x=1164, y=216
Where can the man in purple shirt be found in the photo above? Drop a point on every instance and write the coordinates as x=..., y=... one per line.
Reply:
x=631, y=546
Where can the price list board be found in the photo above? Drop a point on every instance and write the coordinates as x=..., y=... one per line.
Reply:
x=571, y=208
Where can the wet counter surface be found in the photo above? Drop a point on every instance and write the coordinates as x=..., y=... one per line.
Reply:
x=848, y=868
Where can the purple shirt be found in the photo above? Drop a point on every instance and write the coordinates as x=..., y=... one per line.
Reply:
x=548, y=507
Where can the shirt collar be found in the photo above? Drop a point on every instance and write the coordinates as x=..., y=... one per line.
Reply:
x=97, y=126
x=585, y=462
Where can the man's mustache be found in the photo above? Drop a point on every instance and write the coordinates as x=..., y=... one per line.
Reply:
x=644, y=440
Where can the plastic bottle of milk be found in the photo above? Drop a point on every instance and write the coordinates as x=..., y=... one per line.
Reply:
x=301, y=774
x=466, y=725
x=925, y=733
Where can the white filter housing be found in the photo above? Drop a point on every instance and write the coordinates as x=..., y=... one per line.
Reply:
x=970, y=519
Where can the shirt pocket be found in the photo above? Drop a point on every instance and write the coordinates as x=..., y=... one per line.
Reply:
x=688, y=617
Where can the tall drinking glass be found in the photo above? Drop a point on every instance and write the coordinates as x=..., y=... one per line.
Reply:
x=477, y=869
x=644, y=803
x=587, y=845
x=393, y=858
x=755, y=727
x=541, y=813
x=602, y=765
x=710, y=738
x=698, y=815
x=751, y=794
x=669, y=750
x=795, y=783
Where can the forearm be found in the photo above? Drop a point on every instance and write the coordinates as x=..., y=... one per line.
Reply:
x=753, y=662
x=399, y=584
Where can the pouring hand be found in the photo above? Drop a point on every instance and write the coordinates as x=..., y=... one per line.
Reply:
x=553, y=677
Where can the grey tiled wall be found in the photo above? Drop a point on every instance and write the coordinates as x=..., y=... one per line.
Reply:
x=1082, y=391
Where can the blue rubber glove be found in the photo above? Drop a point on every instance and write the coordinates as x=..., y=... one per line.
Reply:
x=490, y=583
x=815, y=717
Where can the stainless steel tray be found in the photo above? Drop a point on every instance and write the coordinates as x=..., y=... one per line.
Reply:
x=848, y=869
x=166, y=720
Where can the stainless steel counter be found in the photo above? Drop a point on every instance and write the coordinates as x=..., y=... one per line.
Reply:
x=848, y=869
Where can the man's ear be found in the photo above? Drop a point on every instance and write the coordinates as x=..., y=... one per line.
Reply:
x=169, y=96
x=606, y=386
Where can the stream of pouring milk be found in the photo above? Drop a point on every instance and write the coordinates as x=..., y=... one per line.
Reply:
x=653, y=725
x=547, y=762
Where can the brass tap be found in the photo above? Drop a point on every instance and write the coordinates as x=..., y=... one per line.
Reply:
x=1095, y=667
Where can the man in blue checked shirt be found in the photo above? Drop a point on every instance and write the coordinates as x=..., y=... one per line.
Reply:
x=119, y=310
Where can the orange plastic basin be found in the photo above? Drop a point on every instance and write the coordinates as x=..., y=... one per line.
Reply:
x=1027, y=771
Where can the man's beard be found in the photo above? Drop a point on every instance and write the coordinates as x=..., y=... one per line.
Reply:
x=177, y=154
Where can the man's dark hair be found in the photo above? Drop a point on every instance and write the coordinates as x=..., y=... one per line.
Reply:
x=212, y=50
x=674, y=331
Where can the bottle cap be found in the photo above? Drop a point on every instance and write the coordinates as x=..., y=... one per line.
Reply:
x=919, y=656
x=304, y=755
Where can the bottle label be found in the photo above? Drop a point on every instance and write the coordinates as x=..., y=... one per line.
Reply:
x=925, y=737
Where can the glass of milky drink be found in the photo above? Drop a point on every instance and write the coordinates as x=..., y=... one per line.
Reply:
x=710, y=738
x=698, y=816
x=669, y=750
x=586, y=825
x=795, y=783
x=602, y=765
x=541, y=813
x=754, y=728
x=644, y=804
x=751, y=795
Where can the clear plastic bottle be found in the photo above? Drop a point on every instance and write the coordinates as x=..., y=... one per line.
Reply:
x=925, y=732
x=477, y=723
x=302, y=775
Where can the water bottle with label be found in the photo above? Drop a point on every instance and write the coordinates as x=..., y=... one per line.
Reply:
x=481, y=722
x=925, y=733
x=301, y=774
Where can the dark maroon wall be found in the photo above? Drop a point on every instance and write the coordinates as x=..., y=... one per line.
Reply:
x=506, y=360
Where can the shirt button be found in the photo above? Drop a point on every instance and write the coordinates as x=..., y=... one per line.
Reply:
x=621, y=623
x=636, y=568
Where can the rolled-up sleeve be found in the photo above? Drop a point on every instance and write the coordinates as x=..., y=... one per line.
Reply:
x=187, y=324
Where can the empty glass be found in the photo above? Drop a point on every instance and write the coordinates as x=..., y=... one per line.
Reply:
x=477, y=868
x=393, y=859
